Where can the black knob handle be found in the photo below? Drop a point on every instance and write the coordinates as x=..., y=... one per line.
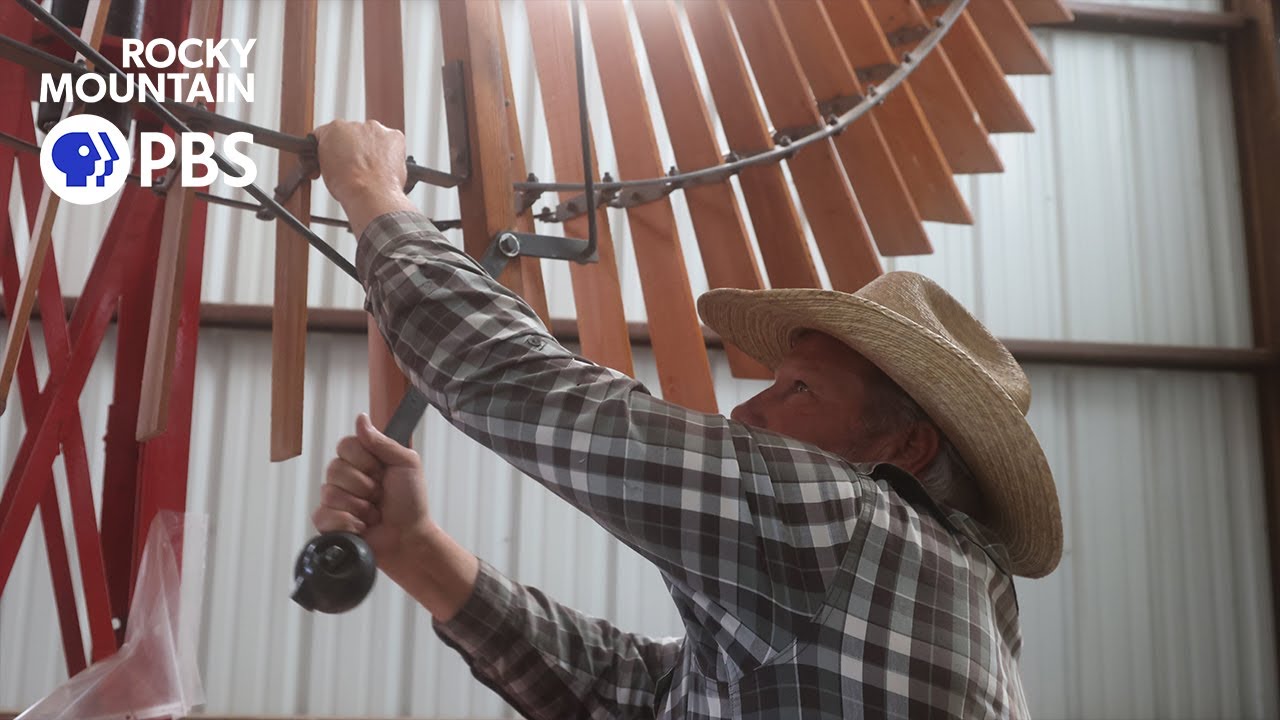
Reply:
x=334, y=573
x=335, y=570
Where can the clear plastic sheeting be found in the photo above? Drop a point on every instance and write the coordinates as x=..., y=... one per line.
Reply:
x=155, y=672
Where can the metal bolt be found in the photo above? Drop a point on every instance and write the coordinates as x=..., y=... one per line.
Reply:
x=783, y=141
x=673, y=171
x=333, y=558
x=832, y=119
x=607, y=177
x=508, y=244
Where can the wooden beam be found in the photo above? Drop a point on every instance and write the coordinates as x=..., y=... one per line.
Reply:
x=1009, y=37
x=1255, y=86
x=1152, y=21
x=597, y=292
x=684, y=373
x=779, y=231
x=836, y=220
x=914, y=144
x=1259, y=360
x=728, y=258
x=289, y=317
x=384, y=102
x=877, y=182
x=523, y=274
x=42, y=232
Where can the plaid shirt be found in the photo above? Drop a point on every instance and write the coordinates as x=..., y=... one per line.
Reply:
x=808, y=588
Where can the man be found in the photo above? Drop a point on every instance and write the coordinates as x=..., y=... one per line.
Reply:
x=815, y=576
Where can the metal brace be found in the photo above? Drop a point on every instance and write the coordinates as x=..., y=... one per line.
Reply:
x=507, y=246
x=526, y=198
x=876, y=74
x=908, y=35
x=577, y=205
x=839, y=105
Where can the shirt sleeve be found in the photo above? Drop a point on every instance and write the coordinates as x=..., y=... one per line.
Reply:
x=549, y=661
x=748, y=528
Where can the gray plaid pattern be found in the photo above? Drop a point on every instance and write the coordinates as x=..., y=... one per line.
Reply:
x=809, y=588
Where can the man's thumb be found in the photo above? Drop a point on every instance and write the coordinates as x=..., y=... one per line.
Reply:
x=382, y=447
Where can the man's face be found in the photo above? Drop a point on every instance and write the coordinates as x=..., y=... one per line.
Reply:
x=819, y=396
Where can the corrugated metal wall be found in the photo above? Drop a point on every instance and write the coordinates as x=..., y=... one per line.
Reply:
x=1118, y=220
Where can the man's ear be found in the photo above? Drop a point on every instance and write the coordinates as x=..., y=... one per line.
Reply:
x=917, y=447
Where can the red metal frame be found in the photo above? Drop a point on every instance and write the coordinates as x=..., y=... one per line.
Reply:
x=140, y=479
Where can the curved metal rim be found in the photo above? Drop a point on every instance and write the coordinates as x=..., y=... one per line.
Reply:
x=875, y=95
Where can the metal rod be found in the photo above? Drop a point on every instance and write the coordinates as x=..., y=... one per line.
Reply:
x=208, y=120
x=29, y=147
x=101, y=62
x=585, y=128
x=875, y=95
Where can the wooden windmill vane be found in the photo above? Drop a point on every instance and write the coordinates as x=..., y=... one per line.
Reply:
x=872, y=105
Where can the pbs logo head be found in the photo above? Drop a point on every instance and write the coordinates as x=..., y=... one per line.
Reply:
x=85, y=159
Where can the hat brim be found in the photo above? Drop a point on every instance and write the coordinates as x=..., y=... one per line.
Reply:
x=976, y=414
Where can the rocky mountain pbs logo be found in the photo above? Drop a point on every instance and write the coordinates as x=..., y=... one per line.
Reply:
x=85, y=159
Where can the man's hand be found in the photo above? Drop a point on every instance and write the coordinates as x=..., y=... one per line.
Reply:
x=375, y=488
x=363, y=165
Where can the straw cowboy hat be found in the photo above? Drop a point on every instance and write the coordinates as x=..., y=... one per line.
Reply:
x=962, y=376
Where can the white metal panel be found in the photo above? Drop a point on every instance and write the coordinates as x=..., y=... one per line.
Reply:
x=1161, y=606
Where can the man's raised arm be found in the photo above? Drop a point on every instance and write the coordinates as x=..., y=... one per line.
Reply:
x=748, y=528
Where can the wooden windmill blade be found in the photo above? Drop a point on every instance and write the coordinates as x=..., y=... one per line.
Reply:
x=602, y=324
x=1009, y=38
x=910, y=136
x=948, y=107
x=1043, y=12
x=982, y=77
x=779, y=231
x=680, y=350
x=384, y=102
x=289, y=311
x=882, y=190
x=727, y=254
x=834, y=215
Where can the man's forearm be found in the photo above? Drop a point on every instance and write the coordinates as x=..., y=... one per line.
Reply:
x=437, y=572
x=361, y=209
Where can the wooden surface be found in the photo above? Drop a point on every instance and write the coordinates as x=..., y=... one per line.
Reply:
x=946, y=105
x=684, y=373
x=877, y=182
x=779, y=231
x=1042, y=12
x=289, y=317
x=42, y=233
x=596, y=290
x=523, y=274
x=384, y=102
x=171, y=264
x=915, y=146
x=728, y=257
x=983, y=79
x=1255, y=85
x=834, y=217
x=1008, y=37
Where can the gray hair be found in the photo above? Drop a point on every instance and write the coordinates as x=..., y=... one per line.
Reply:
x=947, y=479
